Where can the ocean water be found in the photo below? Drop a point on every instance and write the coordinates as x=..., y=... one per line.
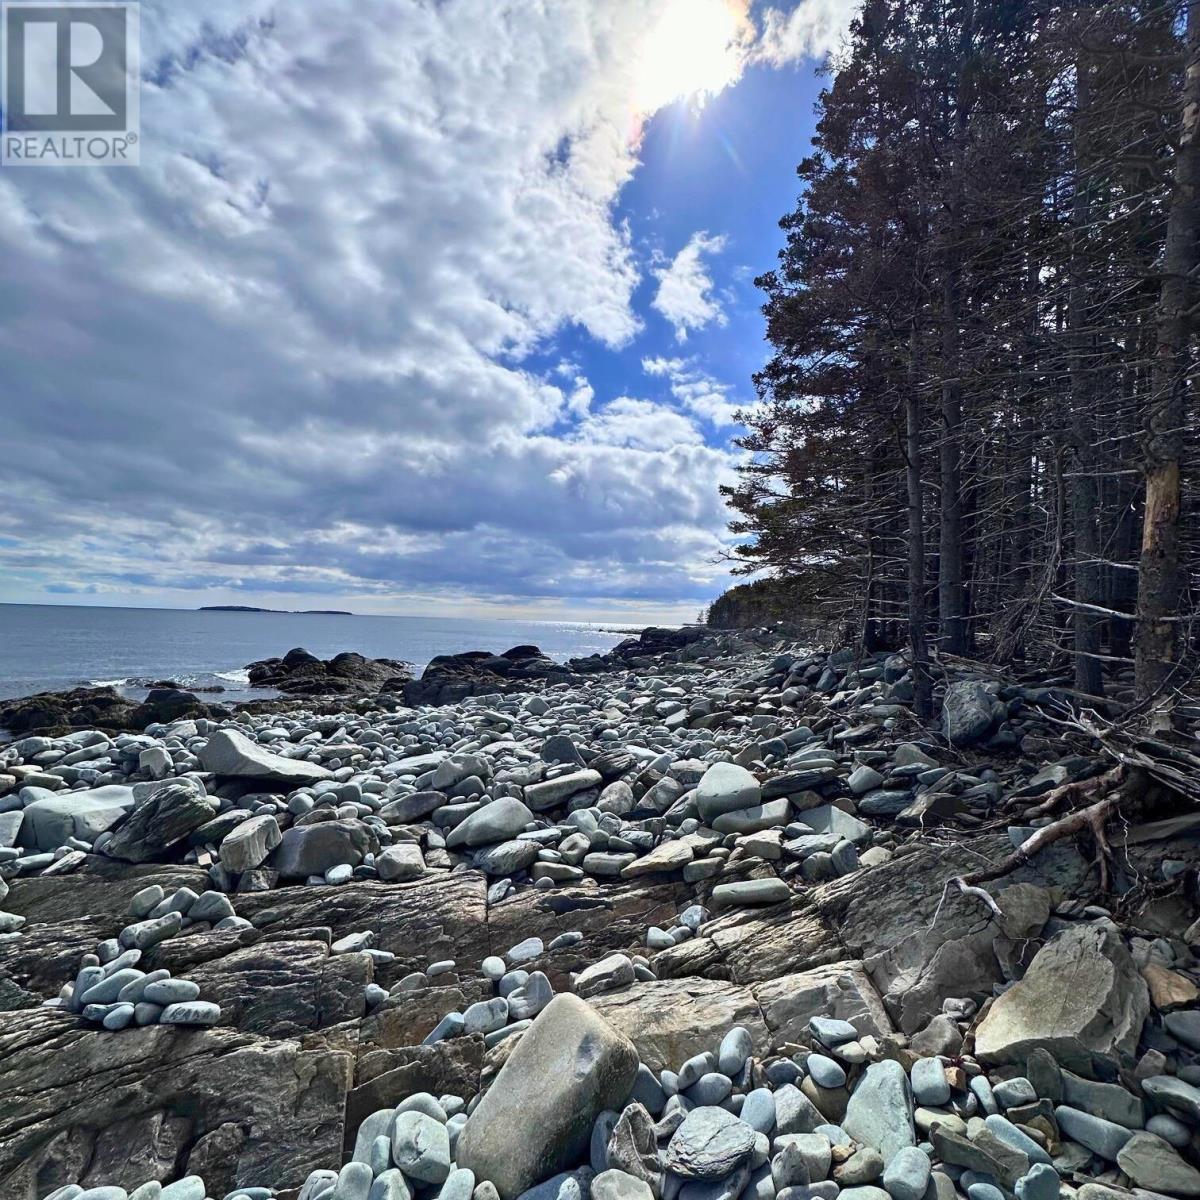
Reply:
x=50, y=648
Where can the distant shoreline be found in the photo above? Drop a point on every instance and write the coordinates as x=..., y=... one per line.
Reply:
x=284, y=612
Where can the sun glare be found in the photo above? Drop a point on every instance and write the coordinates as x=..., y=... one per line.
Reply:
x=691, y=52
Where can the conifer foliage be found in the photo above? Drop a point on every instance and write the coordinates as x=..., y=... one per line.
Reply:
x=977, y=432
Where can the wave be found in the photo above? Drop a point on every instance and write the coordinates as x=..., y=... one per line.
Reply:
x=107, y=682
x=242, y=676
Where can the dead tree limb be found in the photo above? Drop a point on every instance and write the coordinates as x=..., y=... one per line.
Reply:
x=1090, y=819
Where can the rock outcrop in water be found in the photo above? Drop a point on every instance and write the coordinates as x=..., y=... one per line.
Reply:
x=54, y=713
x=675, y=927
x=299, y=673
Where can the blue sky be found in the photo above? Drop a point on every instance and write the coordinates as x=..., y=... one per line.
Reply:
x=410, y=308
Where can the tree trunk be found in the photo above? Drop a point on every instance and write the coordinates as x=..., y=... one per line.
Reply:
x=922, y=698
x=951, y=596
x=1085, y=493
x=1160, y=572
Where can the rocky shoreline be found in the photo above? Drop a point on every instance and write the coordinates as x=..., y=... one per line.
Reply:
x=673, y=923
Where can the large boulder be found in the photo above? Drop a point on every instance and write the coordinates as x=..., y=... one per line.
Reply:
x=1082, y=1000
x=158, y=822
x=54, y=817
x=228, y=752
x=306, y=850
x=969, y=712
x=58, y=713
x=537, y=1117
x=499, y=821
x=247, y=845
x=880, y=1112
x=449, y=678
x=726, y=787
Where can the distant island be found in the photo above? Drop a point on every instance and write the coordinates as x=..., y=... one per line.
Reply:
x=289, y=612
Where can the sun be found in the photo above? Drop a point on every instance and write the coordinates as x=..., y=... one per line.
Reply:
x=692, y=50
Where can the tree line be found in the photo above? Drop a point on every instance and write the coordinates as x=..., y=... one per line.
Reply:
x=976, y=432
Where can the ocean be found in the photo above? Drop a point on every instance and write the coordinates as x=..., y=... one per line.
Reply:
x=47, y=648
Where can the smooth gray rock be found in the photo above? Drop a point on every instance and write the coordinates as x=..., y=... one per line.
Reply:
x=736, y=1046
x=170, y=991
x=1174, y=1094
x=1040, y=1183
x=1100, y=1136
x=54, y=818
x=1107, y=1100
x=758, y=1110
x=194, y=1012
x=750, y=893
x=618, y=1185
x=507, y=858
x=537, y=1116
x=825, y=1072
x=726, y=787
x=1006, y=1131
x=400, y=863
x=880, y=1112
x=499, y=821
x=907, y=1176
x=541, y=796
x=390, y=1185
x=190, y=1187
x=421, y=1147
x=306, y=850
x=929, y=1082
x=794, y=1111
x=228, y=752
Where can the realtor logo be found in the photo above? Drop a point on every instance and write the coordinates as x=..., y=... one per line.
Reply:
x=71, y=75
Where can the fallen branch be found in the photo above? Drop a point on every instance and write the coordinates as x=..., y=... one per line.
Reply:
x=1090, y=819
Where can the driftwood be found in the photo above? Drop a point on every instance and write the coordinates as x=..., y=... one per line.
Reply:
x=1106, y=794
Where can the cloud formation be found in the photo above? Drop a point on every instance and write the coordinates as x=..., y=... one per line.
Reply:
x=812, y=29
x=685, y=287
x=294, y=350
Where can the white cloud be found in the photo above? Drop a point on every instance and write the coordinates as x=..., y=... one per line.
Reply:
x=812, y=29
x=641, y=423
x=695, y=389
x=294, y=349
x=685, y=287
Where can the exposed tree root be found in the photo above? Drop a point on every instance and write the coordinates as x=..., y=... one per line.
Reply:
x=1091, y=819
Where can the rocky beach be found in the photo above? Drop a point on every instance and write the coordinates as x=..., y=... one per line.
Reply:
x=709, y=916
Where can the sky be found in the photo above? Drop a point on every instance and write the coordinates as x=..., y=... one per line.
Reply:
x=412, y=306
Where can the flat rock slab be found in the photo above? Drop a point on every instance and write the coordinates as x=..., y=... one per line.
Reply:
x=284, y=989
x=885, y=916
x=1082, y=999
x=102, y=890
x=670, y=1020
x=841, y=990
x=438, y=917
x=228, y=752
x=614, y=918
x=49, y=822
x=98, y=1108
